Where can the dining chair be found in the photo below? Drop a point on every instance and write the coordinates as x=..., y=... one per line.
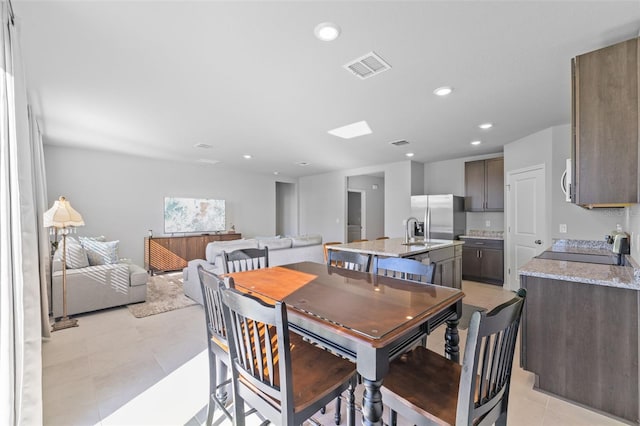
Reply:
x=245, y=259
x=284, y=377
x=427, y=388
x=405, y=269
x=217, y=342
x=324, y=246
x=349, y=260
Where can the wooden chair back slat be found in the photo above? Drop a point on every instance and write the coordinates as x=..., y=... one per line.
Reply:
x=245, y=260
x=489, y=356
x=405, y=269
x=258, y=356
x=349, y=260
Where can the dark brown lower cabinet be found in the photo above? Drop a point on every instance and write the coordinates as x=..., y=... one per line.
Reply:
x=483, y=260
x=581, y=342
x=448, y=263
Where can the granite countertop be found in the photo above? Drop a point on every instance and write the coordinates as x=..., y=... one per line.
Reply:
x=589, y=273
x=394, y=247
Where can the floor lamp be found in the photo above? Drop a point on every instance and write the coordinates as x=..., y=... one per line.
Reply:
x=63, y=218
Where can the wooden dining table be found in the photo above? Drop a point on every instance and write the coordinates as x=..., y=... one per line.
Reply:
x=366, y=318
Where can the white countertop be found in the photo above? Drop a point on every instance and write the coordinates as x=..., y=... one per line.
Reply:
x=394, y=247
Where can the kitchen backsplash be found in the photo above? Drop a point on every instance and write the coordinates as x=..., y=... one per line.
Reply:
x=484, y=233
x=488, y=221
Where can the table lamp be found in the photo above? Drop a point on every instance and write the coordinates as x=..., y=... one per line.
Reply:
x=63, y=218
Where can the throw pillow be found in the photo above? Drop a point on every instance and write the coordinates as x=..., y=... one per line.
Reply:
x=76, y=254
x=101, y=253
x=98, y=238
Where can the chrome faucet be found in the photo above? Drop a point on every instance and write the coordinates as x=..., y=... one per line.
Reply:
x=407, y=233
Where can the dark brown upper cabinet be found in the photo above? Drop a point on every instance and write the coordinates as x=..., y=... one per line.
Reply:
x=605, y=126
x=484, y=185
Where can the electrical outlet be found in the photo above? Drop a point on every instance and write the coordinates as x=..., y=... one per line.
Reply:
x=487, y=223
x=563, y=228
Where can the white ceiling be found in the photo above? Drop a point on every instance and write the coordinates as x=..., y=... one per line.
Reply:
x=154, y=78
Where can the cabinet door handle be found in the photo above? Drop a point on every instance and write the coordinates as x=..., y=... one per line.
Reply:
x=480, y=251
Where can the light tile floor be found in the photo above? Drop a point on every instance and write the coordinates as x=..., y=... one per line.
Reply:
x=116, y=369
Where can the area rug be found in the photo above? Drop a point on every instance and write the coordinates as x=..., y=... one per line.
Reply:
x=164, y=294
x=467, y=311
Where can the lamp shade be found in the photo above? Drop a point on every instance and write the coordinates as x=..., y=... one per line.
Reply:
x=62, y=215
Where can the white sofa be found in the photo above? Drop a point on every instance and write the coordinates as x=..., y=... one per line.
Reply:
x=281, y=252
x=98, y=287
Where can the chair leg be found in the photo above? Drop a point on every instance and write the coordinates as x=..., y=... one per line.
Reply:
x=337, y=417
x=213, y=384
x=423, y=341
x=351, y=403
x=502, y=420
x=238, y=410
x=221, y=373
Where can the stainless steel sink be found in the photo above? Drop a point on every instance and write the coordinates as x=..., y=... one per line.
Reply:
x=579, y=257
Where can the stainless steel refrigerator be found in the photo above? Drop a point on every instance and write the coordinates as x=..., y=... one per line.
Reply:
x=445, y=213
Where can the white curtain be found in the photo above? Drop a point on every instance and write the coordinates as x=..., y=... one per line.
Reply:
x=40, y=203
x=20, y=297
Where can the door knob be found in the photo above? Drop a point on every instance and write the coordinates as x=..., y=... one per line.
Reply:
x=538, y=241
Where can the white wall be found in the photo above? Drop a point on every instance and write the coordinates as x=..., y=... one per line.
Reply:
x=582, y=224
x=323, y=200
x=447, y=177
x=121, y=197
x=286, y=208
x=374, y=199
x=552, y=147
x=529, y=151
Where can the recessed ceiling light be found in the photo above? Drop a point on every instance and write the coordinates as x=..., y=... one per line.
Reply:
x=203, y=145
x=476, y=142
x=247, y=157
x=327, y=31
x=276, y=173
x=303, y=163
x=409, y=154
x=485, y=126
x=353, y=130
x=443, y=91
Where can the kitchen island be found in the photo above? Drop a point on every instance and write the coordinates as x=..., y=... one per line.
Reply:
x=446, y=254
x=580, y=327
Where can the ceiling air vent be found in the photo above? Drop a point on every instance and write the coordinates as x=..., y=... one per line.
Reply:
x=399, y=143
x=367, y=66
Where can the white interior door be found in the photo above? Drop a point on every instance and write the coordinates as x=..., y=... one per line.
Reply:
x=526, y=219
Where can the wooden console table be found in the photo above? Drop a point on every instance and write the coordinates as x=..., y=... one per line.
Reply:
x=162, y=254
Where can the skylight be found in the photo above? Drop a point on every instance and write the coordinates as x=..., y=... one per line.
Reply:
x=353, y=130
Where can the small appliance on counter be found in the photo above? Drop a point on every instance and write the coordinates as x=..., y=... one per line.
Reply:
x=620, y=241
